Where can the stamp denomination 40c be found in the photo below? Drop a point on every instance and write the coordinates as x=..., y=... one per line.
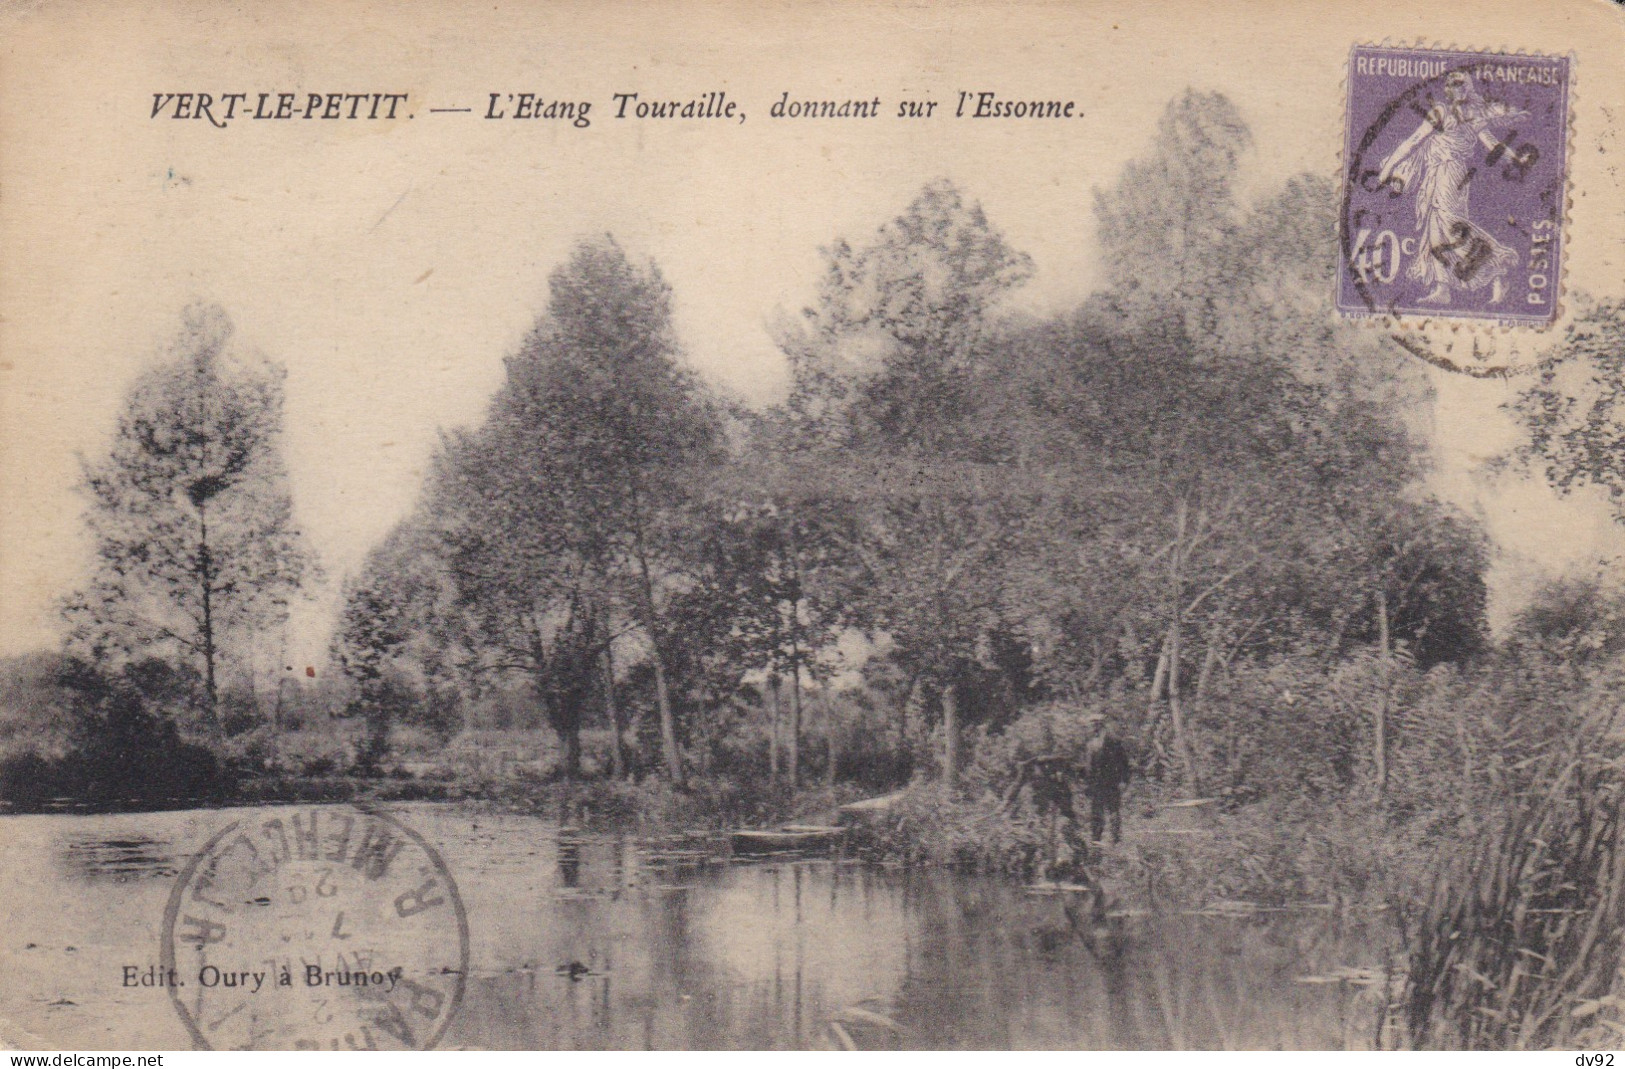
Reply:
x=313, y=930
x=1454, y=185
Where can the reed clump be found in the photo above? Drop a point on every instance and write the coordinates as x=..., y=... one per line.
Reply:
x=1519, y=944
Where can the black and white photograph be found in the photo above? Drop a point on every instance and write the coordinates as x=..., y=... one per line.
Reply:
x=1068, y=525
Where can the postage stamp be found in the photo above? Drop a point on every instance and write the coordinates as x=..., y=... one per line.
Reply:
x=321, y=930
x=1454, y=185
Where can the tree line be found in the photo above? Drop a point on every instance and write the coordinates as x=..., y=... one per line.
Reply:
x=1192, y=467
x=1195, y=472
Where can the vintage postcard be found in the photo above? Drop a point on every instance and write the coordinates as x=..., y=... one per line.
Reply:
x=1069, y=524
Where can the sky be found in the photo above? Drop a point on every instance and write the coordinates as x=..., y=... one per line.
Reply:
x=391, y=265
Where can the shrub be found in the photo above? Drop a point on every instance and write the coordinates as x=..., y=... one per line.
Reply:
x=1519, y=945
x=124, y=748
x=28, y=780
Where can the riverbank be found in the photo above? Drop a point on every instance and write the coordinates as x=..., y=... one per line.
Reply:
x=1173, y=854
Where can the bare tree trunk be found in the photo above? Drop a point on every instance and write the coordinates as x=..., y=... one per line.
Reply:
x=1172, y=647
x=206, y=573
x=1158, y=679
x=1176, y=710
x=1210, y=661
x=910, y=700
x=773, y=726
x=829, y=729
x=617, y=748
x=1466, y=745
x=795, y=718
x=708, y=748
x=668, y=724
x=282, y=667
x=950, y=732
x=276, y=726
x=668, y=719
x=572, y=753
x=795, y=658
x=1153, y=711
x=1380, y=728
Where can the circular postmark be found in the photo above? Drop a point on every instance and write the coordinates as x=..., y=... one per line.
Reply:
x=317, y=929
x=1454, y=200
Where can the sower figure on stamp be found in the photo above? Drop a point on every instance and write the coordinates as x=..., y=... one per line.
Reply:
x=1435, y=166
x=1106, y=771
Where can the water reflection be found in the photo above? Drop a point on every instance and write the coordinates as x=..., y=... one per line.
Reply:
x=119, y=859
x=586, y=941
x=570, y=863
x=677, y=951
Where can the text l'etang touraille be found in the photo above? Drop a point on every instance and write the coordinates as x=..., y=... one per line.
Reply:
x=221, y=110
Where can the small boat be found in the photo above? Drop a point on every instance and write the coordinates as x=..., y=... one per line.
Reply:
x=872, y=808
x=801, y=837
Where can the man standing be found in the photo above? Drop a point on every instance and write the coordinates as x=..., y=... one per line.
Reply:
x=1106, y=771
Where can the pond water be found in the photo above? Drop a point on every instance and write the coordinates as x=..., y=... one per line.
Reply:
x=593, y=941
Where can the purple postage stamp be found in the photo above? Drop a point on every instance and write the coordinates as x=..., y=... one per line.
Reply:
x=1454, y=187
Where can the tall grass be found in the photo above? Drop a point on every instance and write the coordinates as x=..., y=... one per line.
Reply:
x=1519, y=944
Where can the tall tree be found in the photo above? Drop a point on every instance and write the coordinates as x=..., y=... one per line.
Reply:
x=562, y=516
x=762, y=601
x=887, y=355
x=400, y=624
x=1167, y=227
x=196, y=547
x=885, y=366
